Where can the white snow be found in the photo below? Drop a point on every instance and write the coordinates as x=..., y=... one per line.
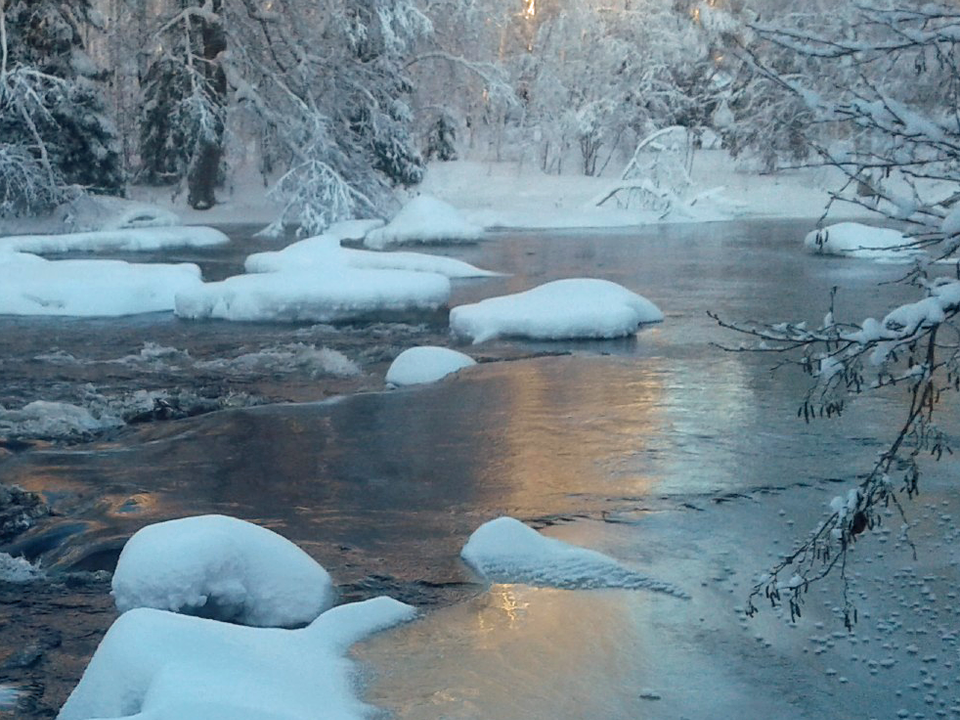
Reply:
x=124, y=240
x=563, y=309
x=324, y=252
x=428, y=364
x=850, y=239
x=221, y=567
x=46, y=419
x=424, y=219
x=157, y=665
x=30, y=285
x=18, y=570
x=316, y=296
x=507, y=551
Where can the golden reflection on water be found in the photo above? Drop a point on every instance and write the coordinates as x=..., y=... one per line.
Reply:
x=560, y=433
x=514, y=651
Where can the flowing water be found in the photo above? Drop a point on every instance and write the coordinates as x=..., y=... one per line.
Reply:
x=612, y=444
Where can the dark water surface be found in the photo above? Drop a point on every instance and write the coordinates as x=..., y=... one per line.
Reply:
x=383, y=487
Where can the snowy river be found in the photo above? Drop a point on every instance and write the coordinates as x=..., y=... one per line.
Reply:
x=680, y=459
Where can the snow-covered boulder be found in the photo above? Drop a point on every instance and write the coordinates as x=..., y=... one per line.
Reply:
x=46, y=419
x=420, y=365
x=507, y=551
x=223, y=568
x=424, y=220
x=850, y=239
x=157, y=665
x=560, y=310
x=335, y=294
x=138, y=239
x=30, y=285
x=325, y=252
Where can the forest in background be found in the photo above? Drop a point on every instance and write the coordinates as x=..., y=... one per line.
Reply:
x=339, y=102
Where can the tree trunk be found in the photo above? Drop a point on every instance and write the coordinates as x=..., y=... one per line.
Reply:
x=204, y=173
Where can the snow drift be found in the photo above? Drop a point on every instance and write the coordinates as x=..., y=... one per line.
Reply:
x=223, y=568
x=424, y=220
x=507, y=551
x=328, y=296
x=157, y=665
x=428, y=364
x=560, y=310
x=850, y=239
x=324, y=252
x=124, y=240
x=31, y=285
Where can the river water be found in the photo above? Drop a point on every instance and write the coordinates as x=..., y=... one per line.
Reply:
x=656, y=449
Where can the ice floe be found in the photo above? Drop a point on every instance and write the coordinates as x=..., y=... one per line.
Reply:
x=157, y=665
x=31, y=285
x=507, y=551
x=564, y=309
x=420, y=365
x=424, y=219
x=850, y=239
x=223, y=568
x=340, y=294
x=136, y=239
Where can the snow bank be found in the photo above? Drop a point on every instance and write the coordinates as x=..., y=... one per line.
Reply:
x=337, y=294
x=224, y=568
x=123, y=240
x=30, y=285
x=426, y=365
x=559, y=310
x=424, y=220
x=156, y=665
x=849, y=239
x=324, y=251
x=507, y=551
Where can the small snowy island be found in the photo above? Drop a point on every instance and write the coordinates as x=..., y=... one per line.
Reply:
x=585, y=308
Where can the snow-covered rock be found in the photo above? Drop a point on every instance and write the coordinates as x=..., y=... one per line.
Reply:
x=30, y=285
x=507, y=551
x=123, y=240
x=324, y=251
x=424, y=219
x=224, y=568
x=420, y=365
x=157, y=665
x=332, y=295
x=850, y=239
x=559, y=310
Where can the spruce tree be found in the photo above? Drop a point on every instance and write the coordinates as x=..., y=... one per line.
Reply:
x=52, y=95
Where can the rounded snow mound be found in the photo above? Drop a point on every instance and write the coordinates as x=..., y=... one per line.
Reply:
x=222, y=568
x=424, y=220
x=850, y=239
x=507, y=551
x=428, y=364
x=586, y=308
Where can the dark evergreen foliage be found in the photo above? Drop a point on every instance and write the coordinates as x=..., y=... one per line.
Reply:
x=69, y=115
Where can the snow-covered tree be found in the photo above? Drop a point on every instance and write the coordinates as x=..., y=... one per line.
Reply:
x=54, y=132
x=891, y=124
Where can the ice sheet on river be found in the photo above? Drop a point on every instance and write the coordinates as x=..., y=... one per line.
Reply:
x=31, y=285
x=157, y=665
x=559, y=310
x=324, y=251
x=224, y=568
x=507, y=551
x=320, y=295
x=124, y=240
